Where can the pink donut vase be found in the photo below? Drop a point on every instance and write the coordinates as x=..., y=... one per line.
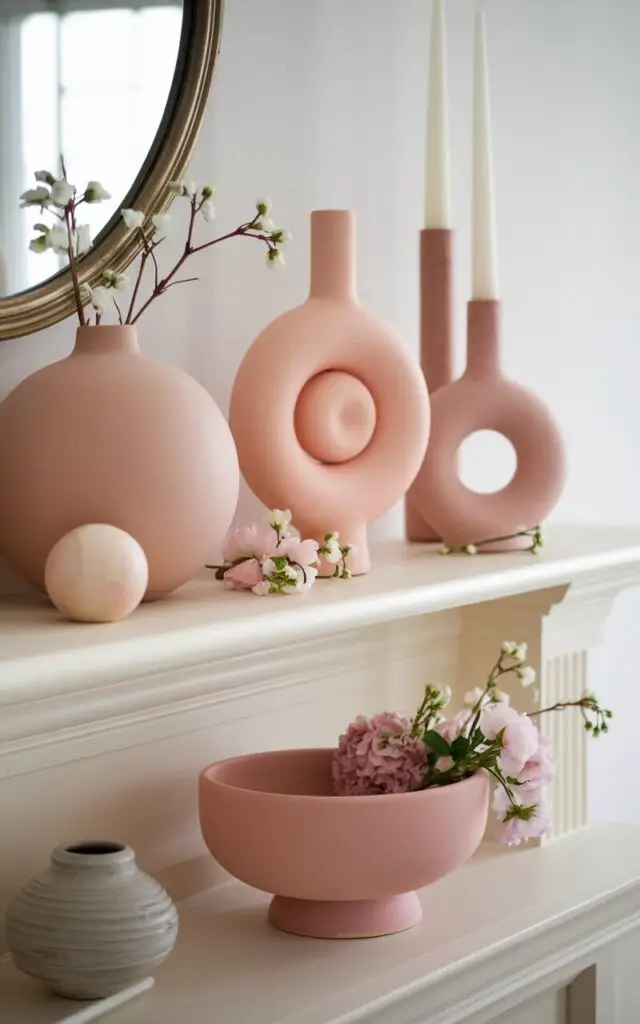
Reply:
x=436, y=349
x=484, y=399
x=341, y=867
x=329, y=412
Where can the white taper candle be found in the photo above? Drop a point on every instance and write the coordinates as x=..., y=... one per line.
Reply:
x=484, y=261
x=438, y=200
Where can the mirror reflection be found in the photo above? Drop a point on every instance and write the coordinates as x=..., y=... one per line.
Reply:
x=89, y=80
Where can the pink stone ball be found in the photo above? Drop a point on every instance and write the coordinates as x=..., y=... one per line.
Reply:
x=96, y=573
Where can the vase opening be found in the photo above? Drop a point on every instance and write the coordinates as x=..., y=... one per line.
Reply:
x=95, y=848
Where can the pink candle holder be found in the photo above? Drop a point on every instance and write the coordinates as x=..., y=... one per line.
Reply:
x=329, y=412
x=484, y=399
x=436, y=351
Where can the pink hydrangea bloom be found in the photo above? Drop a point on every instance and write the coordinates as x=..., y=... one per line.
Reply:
x=244, y=575
x=259, y=540
x=378, y=755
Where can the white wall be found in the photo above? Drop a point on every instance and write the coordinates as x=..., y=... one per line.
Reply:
x=322, y=103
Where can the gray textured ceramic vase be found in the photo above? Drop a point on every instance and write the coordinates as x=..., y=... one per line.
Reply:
x=92, y=923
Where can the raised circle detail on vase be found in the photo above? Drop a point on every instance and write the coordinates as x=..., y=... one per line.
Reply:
x=335, y=417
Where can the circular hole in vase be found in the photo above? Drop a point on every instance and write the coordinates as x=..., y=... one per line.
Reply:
x=95, y=848
x=488, y=461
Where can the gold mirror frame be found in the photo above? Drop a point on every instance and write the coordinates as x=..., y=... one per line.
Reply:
x=52, y=301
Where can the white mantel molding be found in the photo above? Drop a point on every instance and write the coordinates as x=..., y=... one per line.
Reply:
x=68, y=691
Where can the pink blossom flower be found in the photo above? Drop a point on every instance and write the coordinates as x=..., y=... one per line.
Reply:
x=304, y=552
x=259, y=541
x=451, y=728
x=378, y=755
x=520, y=738
x=539, y=770
x=244, y=575
x=518, y=830
x=444, y=764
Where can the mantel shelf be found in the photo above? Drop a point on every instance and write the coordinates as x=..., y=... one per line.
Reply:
x=484, y=927
x=202, y=622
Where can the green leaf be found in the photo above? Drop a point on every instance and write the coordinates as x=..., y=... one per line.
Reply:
x=437, y=743
x=459, y=748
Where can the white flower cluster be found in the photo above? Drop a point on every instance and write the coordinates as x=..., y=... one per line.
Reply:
x=518, y=652
x=61, y=199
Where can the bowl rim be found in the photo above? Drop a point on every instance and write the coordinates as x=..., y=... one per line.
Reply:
x=206, y=778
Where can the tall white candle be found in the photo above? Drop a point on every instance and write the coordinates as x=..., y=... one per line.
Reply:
x=438, y=200
x=484, y=260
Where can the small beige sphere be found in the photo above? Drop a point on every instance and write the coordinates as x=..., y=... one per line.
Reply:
x=96, y=573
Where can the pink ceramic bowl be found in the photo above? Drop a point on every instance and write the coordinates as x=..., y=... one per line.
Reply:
x=341, y=867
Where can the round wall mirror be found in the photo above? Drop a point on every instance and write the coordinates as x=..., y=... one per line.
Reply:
x=118, y=89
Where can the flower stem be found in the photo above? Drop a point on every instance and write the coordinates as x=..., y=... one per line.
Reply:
x=70, y=221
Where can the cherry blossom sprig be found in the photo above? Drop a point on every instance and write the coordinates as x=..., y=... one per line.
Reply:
x=61, y=199
x=69, y=238
x=390, y=753
x=271, y=558
x=536, y=535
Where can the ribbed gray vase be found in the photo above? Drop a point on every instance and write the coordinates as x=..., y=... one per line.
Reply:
x=92, y=923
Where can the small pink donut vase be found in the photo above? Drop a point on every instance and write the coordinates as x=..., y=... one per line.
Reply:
x=329, y=411
x=484, y=399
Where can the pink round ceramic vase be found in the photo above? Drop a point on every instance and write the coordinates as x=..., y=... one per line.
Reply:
x=341, y=867
x=108, y=436
x=329, y=411
x=484, y=399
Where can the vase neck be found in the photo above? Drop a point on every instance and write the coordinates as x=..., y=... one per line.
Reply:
x=94, y=856
x=333, y=254
x=483, y=339
x=113, y=338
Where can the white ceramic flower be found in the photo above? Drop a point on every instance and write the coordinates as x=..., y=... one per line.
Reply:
x=133, y=218
x=262, y=588
x=161, y=223
x=82, y=239
x=527, y=675
x=96, y=192
x=281, y=236
x=275, y=260
x=39, y=244
x=332, y=552
x=39, y=196
x=263, y=206
x=520, y=653
x=279, y=519
x=111, y=279
x=508, y=646
x=265, y=224
x=58, y=239
x=62, y=193
x=208, y=210
x=190, y=189
x=45, y=176
x=99, y=297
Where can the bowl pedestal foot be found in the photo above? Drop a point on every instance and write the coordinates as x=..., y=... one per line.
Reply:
x=345, y=919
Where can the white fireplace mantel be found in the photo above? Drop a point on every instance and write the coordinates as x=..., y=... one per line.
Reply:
x=103, y=730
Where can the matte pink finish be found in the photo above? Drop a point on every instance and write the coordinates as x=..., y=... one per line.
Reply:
x=330, y=331
x=271, y=819
x=483, y=399
x=436, y=348
x=348, y=418
x=107, y=436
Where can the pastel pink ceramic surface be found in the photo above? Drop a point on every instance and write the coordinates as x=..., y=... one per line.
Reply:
x=107, y=436
x=340, y=867
x=436, y=350
x=96, y=573
x=484, y=399
x=329, y=411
